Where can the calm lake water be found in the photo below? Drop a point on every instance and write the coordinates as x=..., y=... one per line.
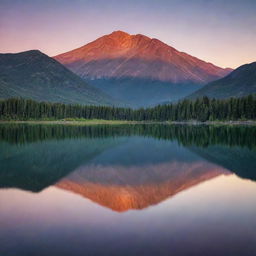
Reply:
x=127, y=190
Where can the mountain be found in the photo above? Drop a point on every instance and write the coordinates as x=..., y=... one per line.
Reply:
x=238, y=83
x=139, y=69
x=34, y=75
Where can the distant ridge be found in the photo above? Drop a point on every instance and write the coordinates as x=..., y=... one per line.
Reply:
x=239, y=83
x=34, y=75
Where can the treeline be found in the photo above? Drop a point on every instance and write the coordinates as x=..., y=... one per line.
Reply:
x=202, y=109
x=187, y=135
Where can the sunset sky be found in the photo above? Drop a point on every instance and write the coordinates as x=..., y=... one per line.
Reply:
x=218, y=31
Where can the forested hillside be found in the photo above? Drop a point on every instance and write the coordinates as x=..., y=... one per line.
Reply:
x=202, y=109
x=239, y=83
x=34, y=75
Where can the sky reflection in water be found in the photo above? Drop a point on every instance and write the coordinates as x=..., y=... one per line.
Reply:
x=127, y=190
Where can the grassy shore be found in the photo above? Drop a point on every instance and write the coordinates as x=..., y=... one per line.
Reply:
x=247, y=122
x=123, y=122
x=74, y=122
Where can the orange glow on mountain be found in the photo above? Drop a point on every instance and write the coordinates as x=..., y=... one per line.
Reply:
x=120, y=54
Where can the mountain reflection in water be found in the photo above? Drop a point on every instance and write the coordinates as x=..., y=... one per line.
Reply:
x=123, y=167
x=131, y=194
x=127, y=190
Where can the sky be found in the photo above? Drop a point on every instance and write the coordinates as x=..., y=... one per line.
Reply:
x=222, y=32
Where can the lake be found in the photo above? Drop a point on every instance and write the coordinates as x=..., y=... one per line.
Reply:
x=127, y=190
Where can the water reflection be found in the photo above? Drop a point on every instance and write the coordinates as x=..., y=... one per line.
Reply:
x=138, y=173
x=123, y=162
x=127, y=190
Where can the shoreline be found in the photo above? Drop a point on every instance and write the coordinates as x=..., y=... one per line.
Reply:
x=71, y=122
x=125, y=122
x=248, y=122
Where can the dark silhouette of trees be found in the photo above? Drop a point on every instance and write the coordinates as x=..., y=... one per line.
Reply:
x=202, y=109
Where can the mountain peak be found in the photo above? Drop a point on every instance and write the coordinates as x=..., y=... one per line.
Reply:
x=138, y=69
x=119, y=33
x=120, y=54
x=29, y=52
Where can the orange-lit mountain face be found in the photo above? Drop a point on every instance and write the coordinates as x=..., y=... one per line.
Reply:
x=121, y=55
x=138, y=70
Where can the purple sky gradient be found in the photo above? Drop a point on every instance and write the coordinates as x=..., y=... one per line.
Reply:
x=218, y=31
